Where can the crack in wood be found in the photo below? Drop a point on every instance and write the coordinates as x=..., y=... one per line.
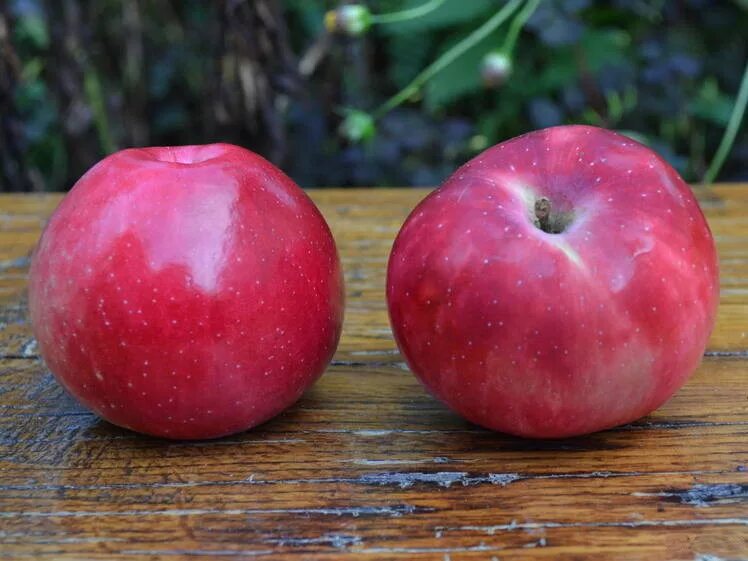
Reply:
x=17, y=263
x=388, y=511
x=441, y=478
x=199, y=552
x=704, y=495
x=481, y=547
x=727, y=354
x=533, y=526
x=403, y=480
x=338, y=541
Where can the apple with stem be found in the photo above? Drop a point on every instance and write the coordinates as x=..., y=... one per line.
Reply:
x=188, y=292
x=560, y=283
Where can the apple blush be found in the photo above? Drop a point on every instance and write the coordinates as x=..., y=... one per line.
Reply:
x=186, y=293
x=560, y=283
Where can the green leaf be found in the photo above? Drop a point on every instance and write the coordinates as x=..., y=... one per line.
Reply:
x=711, y=104
x=357, y=126
x=32, y=70
x=635, y=135
x=310, y=12
x=504, y=113
x=600, y=48
x=450, y=13
x=409, y=54
x=462, y=77
x=558, y=72
x=33, y=28
x=604, y=46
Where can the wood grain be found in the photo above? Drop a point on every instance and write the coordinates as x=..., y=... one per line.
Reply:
x=367, y=465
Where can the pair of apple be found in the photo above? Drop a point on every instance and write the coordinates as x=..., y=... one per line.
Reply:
x=560, y=283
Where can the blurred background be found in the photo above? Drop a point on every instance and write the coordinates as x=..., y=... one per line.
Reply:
x=306, y=83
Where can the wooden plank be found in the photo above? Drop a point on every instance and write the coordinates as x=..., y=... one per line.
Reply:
x=367, y=465
x=609, y=543
x=373, y=533
x=384, y=414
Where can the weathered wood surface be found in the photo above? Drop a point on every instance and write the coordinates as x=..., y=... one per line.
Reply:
x=367, y=465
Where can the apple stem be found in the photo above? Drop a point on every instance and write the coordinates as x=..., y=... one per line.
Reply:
x=543, y=214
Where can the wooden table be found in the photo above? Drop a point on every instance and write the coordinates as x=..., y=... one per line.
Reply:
x=367, y=465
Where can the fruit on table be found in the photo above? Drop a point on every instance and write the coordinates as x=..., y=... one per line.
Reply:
x=187, y=292
x=560, y=283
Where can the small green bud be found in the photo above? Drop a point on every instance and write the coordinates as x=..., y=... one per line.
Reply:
x=351, y=19
x=495, y=69
x=358, y=126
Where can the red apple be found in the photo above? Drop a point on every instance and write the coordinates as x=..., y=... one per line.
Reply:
x=187, y=292
x=560, y=283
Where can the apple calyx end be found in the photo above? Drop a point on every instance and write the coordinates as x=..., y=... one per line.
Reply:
x=550, y=222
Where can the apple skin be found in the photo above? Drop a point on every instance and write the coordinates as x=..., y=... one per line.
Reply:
x=188, y=292
x=551, y=335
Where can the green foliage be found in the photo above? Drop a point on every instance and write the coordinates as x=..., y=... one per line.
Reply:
x=310, y=13
x=33, y=30
x=447, y=15
x=410, y=53
x=462, y=77
x=357, y=126
x=95, y=95
x=711, y=104
x=411, y=41
x=657, y=68
x=666, y=71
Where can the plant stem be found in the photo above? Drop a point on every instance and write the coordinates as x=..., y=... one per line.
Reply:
x=405, y=15
x=448, y=57
x=517, y=24
x=733, y=125
x=95, y=95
